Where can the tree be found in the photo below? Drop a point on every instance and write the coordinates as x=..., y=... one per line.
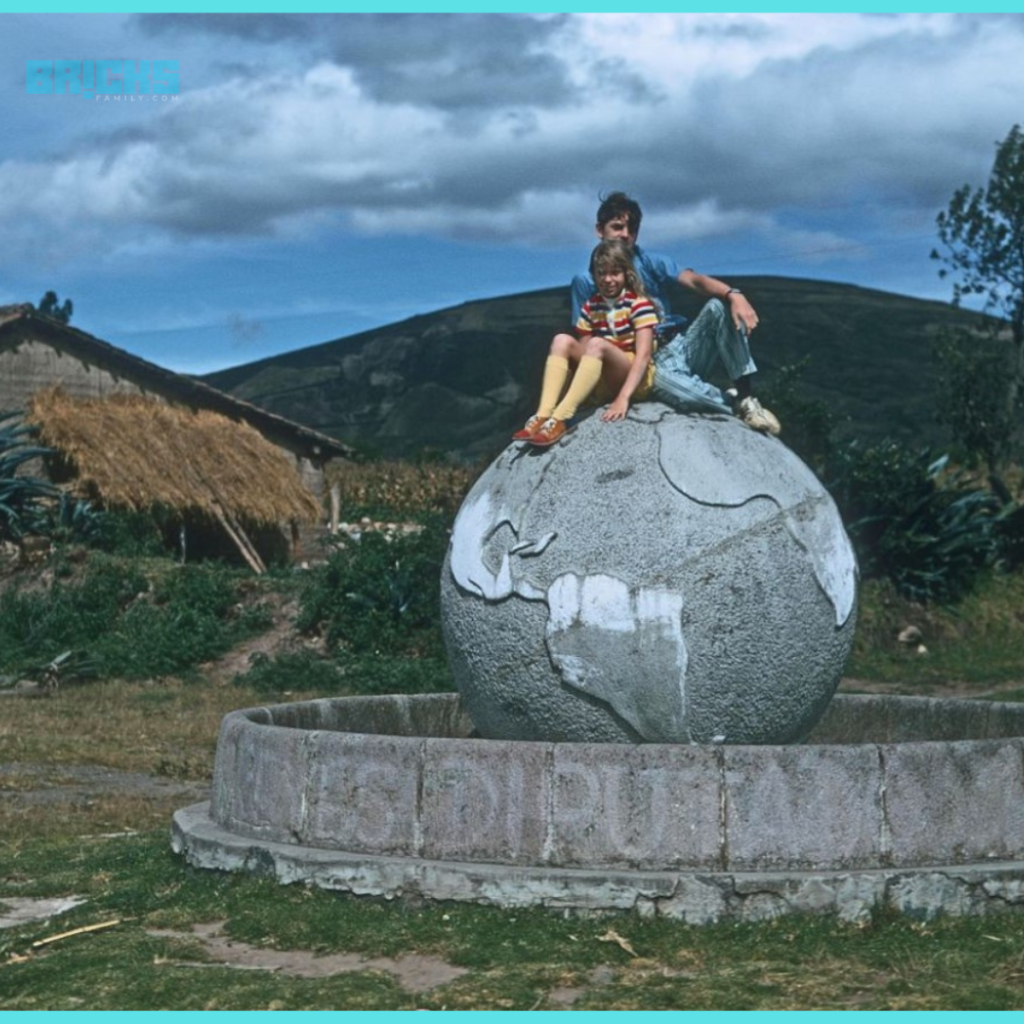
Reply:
x=48, y=307
x=983, y=235
x=972, y=386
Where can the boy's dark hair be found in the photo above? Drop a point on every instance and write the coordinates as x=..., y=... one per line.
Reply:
x=618, y=204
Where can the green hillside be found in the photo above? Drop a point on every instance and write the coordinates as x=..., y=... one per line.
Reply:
x=462, y=379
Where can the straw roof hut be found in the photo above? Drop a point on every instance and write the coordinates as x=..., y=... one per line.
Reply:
x=134, y=452
x=39, y=352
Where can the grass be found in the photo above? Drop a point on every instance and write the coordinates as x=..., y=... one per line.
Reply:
x=132, y=726
x=978, y=642
x=511, y=959
x=113, y=851
x=110, y=848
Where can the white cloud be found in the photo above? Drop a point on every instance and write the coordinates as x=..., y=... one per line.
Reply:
x=721, y=124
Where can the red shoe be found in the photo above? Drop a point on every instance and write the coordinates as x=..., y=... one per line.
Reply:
x=533, y=424
x=549, y=433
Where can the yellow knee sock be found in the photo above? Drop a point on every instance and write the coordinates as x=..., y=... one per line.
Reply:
x=588, y=373
x=556, y=369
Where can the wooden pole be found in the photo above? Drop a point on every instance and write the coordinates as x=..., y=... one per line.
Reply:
x=335, y=507
x=234, y=529
x=244, y=546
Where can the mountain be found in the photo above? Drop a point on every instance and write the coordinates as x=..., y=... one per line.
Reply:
x=460, y=380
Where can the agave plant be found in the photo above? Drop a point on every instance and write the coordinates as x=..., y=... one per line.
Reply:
x=74, y=519
x=24, y=499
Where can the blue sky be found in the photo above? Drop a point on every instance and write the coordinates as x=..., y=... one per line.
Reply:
x=322, y=174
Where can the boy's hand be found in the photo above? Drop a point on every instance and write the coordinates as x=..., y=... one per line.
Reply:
x=743, y=314
x=616, y=411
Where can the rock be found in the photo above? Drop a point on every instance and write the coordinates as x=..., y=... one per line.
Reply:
x=34, y=549
x=910, y=635
x=28, y=688
x=668, y=578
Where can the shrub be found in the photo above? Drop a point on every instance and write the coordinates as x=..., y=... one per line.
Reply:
x=381, y=674
x=914, y=521
x=72, y=520
x=131, y=534
x=290, y=672
x=378, y=595
x=192, y=614
x=1009, y=531
x=125, y=624
x=305, y=671
x=809, y=423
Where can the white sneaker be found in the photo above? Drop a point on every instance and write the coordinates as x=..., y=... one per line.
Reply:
x=757, y=417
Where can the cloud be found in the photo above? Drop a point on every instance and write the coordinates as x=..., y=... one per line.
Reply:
x=799, y=129
x=451, y=61
x=261, y=28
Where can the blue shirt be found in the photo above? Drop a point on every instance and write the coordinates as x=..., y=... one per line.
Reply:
x=656, y=272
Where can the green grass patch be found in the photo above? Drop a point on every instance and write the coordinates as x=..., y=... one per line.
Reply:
x=512, y=959
x=979, y=641
x=127, y=618
x=305, y=672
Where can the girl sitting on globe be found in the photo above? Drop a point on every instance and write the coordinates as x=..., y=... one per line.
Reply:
x=611, y=352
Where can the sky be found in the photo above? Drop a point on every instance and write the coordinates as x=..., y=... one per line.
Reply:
x=317, y=175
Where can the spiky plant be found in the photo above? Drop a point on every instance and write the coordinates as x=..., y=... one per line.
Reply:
x=24, y=499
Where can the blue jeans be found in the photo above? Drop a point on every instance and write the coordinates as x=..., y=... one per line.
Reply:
x=681, y=364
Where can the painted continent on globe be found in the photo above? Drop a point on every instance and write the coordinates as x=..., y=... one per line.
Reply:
x=669, y=578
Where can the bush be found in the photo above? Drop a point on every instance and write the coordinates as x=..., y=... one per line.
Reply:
x=38, y=625
x=1009, y=531
x=809, y=423
x=125, y=624
x=305, y=671
x=131, y=534
x=381, y=674
x=913, y=521
x=973, y=389
x=298, y=672
x=71, y=520
x=379, y=596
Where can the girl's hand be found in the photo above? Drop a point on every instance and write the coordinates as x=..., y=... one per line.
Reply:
x=616, y=411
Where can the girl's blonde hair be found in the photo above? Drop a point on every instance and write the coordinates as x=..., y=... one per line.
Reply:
x=617, y=255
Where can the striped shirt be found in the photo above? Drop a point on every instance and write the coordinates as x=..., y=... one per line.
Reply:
x=618, y=320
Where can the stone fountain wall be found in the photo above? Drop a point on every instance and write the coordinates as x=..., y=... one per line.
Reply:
x=909, y=802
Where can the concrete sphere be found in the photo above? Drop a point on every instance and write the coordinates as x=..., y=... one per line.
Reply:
x=668, y=579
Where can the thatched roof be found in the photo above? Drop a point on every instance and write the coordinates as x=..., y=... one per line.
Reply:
x=134, y=452
x=21, y=320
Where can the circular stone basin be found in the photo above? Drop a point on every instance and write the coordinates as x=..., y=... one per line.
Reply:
x=906, y=802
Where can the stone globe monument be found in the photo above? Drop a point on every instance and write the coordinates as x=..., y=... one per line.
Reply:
x=679, y=590
x=666, y=579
